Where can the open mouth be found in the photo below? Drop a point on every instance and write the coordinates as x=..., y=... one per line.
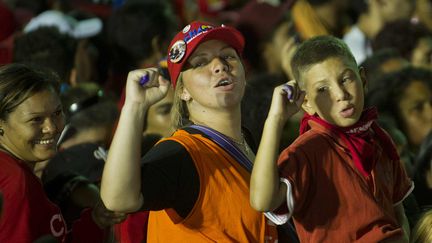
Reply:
x=45, y=141
x=224, y=82
x=347, y=112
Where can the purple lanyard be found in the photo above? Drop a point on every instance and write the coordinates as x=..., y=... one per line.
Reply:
x=227, y=145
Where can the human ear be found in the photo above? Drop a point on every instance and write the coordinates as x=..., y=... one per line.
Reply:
x=429, y=177
x=307, y=106
x=362, y=72
x=185, y=95
x=1, y=128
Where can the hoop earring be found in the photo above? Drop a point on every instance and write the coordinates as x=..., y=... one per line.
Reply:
x=1, y=132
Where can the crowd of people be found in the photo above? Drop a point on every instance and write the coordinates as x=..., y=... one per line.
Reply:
x=216, y=121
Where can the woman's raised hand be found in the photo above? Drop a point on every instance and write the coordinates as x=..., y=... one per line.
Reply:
x=146, y=86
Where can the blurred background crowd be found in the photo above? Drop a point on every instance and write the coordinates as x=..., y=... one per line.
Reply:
x=91, y=45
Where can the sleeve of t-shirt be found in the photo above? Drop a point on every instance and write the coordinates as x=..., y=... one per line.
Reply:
x=403, y=185
x=294, y=171
x=169, y=178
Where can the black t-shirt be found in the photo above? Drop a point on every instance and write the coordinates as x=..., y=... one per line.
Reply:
x=169, y=177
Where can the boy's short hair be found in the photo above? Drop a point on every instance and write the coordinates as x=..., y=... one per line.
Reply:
x=316, y=50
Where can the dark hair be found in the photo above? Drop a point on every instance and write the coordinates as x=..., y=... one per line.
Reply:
x=256, y=101
x=253, y=23
x=18, y=82
x=422, y=165
x=316, y=50
x=359, y=7
x=372, y=64
x=131, y=29
x=401, y=35
x=390, y=87
x=318, y=2
x=46, y=48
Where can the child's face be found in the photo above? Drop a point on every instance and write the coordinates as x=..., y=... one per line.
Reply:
x=334, y=91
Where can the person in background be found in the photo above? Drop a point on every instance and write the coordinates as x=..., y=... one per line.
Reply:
x=266, y=47
x=48, y=48
x=320, y=17
x=31, y=120
x=256, y=102
x=423, y=13
x=91, y=116
x=388, y=123
x=423, y=174
x=373, y=15
x=382, y=62
x=406, y=95
x=138, y=34
x=342, y=167
x=195, y=182
x=90, y=120
x=158, y=118
x=413, y=41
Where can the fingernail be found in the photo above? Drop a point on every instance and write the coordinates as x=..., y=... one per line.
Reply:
x=144, y=79
x=289, y=90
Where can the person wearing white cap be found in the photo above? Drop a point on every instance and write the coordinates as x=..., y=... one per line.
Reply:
x=66, y=24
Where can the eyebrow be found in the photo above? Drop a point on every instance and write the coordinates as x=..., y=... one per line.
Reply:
x=319, y=82
x=41, y=112
x=344, y=72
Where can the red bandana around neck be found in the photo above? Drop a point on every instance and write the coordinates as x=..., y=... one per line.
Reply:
x=358, y=138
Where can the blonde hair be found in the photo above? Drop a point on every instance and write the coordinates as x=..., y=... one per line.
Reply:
x=179, y=110
x=422, y=232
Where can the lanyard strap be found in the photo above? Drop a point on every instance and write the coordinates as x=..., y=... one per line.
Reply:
x=227, y=145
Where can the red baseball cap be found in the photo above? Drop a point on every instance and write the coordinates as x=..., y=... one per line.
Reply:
x=195, y=33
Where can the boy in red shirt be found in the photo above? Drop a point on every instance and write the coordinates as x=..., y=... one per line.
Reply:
x=341, y=179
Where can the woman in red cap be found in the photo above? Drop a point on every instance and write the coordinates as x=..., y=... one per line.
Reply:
x=196, y=182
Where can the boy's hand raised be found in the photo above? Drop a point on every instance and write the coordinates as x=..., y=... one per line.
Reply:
x=287, y=100
x=146, y=86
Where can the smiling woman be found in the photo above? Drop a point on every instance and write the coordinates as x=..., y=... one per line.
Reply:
x=31, y=120
x=31, y=114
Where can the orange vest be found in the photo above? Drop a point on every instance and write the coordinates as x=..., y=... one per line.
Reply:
x=222, y=212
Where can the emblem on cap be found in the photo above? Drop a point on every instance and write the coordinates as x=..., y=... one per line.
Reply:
x=177, y=52
x=186, y=28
